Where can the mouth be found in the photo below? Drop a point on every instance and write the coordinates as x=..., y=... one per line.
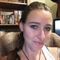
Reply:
x=38, y=43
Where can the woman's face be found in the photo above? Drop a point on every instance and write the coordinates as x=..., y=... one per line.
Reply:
x=37, y=28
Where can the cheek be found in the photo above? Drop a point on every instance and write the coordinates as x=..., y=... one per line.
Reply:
x=28, y=33
x=48, y=36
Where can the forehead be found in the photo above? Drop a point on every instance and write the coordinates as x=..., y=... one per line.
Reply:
x=39, y=15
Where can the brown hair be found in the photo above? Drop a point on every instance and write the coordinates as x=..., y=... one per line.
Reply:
x=33, y=6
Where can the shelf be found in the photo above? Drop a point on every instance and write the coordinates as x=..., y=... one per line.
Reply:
x=3, y=25
x=12, y=5
x=9, y=27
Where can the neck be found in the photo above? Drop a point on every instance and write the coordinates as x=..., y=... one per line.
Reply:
x=32, y=55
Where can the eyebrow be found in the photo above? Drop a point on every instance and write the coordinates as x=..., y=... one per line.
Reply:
x=48, y=25
x=38, y=23
x=34, y=23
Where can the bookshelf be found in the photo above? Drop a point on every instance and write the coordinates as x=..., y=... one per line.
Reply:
x=12, y=5
x=7, y=10
x=9, y=28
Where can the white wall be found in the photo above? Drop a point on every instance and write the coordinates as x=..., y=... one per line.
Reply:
x=29, y=1
x=53, y=7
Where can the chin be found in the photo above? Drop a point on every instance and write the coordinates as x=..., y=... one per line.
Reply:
x=36, y=48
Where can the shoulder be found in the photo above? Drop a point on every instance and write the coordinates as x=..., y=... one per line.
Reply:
x=54, y=52
x=50, y=52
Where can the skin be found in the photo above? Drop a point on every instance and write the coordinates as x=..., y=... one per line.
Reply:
x=36, y=31
x=3, y=57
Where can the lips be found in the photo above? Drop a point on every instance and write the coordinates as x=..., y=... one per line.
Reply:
x=38, y=43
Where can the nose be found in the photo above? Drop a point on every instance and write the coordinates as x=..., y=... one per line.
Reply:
x=41, y=34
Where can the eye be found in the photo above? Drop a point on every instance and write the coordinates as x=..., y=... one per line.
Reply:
x=48, y=28
x=34, y=26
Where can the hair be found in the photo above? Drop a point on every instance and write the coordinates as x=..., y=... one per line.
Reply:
x=33, y=6
x=9, y=45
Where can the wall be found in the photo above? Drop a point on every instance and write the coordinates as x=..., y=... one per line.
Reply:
x=29, y=1
x=53, y=7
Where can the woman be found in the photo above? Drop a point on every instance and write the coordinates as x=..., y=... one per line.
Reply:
x=35, y=26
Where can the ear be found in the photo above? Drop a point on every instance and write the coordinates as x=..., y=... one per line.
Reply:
x=21, y=26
